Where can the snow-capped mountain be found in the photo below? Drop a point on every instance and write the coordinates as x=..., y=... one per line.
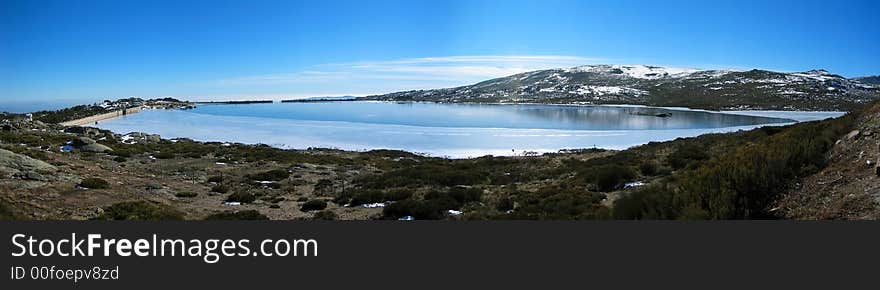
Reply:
x=661, y=86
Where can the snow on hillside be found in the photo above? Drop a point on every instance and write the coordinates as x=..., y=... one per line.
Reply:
x=636, y=71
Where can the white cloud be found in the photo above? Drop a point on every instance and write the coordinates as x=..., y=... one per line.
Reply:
x=413, y=73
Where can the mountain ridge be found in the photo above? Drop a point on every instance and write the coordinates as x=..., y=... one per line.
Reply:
x=661, y=86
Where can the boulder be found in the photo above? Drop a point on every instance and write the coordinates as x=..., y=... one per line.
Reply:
x=153, y=138
x=22, y=163
x=89, y=145
x=82, y=141
x=30, y=175
x=852, y=134
x=96, y=148
x=138, y=137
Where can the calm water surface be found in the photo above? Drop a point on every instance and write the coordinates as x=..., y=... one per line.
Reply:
x=454, y=130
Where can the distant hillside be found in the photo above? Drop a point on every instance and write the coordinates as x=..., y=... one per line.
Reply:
x=659, y=86
x=872, y=80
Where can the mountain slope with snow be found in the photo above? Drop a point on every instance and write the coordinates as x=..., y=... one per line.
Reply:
x=871, y=80
x=661, y=86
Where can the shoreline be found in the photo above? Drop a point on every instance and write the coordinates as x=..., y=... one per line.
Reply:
x=284, y=134
x=103, y=117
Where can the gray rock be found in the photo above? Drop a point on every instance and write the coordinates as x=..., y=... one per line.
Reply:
x=153, y=138
x=81, y=141
x=97, y=148
x=30, y=175
x=23, y=163
x=852, y=134
x=89, y=145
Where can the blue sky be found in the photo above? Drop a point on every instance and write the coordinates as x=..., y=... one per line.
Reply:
x=78, y=51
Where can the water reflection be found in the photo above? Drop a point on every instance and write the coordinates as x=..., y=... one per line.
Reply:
x=455, y=130
x=492, y=116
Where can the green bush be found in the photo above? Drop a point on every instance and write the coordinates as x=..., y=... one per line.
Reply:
x=315, y=204
x=271, y=175
x=561, y=205
x=220, y=188
x=186, y=194
x=140, y=210
x=163, y=155
x=397, y=194
x=119, y=152
x=742, y=183
x=243, y=197
x=325, y=215
x=687, y=154
x=94, y=183
x=611, y=177
x=504, y=204
x=367, y=196
x=323, y=186
x=238, y=215
x=415, y=208
x=215, y=179
x=649, y=168
x=6, y=212
x=119, y=159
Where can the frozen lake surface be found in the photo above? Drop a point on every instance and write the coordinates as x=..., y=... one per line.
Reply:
x=453, y=130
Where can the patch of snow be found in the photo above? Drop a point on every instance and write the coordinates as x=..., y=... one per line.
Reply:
x=818, y=75
x=636, y=71
x=608, y=90
x=407, y=218
x=127, y=139
x=792, y=92
x=373, y=205
x=633, y=184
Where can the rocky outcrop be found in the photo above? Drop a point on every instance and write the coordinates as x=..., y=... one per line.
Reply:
x=88, y=145
x=24, y=167
x=138, y=137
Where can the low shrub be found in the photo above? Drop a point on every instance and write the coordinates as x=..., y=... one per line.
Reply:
x=186, y=194
x=124, y=153
x=220, y=188
x=416, y=208
x=94, y=183
x=163, y=155
x=325, y=215
x=271, y=175
x=6, y=213
x=140, y=210
x=315, y=204
x=243, y=197
x=367, y=196
x=649, y=168
x=238, y=215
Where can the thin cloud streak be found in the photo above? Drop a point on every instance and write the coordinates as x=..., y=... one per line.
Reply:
x=459, y=70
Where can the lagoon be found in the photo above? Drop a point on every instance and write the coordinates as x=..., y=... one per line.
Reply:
x=438, y=129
